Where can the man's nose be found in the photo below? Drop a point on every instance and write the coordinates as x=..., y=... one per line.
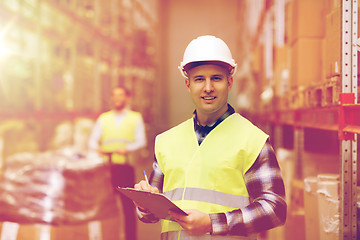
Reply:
x=208, y=86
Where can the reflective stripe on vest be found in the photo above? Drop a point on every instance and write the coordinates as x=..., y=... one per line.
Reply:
x=118, y=136
x=182, y=235
x=116, y=140
x=209, y=196
x=201, y=177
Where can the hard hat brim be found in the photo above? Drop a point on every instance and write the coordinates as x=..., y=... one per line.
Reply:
x=229, y=68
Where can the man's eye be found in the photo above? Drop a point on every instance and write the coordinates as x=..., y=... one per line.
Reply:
x=217, y=78
x=198, y=79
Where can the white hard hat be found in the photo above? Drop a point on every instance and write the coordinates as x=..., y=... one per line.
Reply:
x=207, y=49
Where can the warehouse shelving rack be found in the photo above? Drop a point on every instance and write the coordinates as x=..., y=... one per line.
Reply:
x=341, y=115
x=78, y=51
x=344, y=118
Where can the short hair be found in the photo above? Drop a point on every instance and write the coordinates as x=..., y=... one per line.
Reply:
x=191, y=65
x=126, y=90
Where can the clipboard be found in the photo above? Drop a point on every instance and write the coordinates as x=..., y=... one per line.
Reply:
x=156, y=203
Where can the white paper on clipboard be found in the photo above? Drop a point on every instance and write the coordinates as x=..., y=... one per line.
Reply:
x=156, y=203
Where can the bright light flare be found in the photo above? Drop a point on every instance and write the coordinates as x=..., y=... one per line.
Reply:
x=3, y=50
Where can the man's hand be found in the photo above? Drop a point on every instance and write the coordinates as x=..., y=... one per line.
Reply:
x=143, y=185
x=195, y=223
x=122, y=151
x=100, y=151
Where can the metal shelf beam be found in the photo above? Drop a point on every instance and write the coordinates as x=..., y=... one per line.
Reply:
x=348, y=207
x=344, y=118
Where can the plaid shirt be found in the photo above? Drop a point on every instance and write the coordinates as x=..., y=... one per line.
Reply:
x=263, y=182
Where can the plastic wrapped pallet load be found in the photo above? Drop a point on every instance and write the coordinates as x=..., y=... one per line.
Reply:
x=311, y=208
x=57, y=195
x=329, y=206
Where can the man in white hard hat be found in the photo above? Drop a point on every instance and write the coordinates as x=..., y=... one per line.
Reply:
x=217, y=165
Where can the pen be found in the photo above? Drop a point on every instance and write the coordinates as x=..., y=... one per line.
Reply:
x=146, y=179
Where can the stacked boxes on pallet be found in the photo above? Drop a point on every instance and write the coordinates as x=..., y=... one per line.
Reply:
x=332, y=55
x=313, y=46
x=281, y=75
x=60, y=194
x=332, y=50
x=306, y=40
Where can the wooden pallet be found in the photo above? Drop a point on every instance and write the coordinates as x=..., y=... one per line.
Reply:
x=312, y=96
x=320, y=95
x=296, y=98
x=330, y=92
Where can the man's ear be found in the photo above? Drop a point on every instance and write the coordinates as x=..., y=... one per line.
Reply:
x=187, y=83
x=230, y=82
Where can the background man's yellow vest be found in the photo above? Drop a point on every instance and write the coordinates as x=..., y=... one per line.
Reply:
x=115, y=137
x=209, y=177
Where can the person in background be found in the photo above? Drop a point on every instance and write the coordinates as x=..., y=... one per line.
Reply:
x=217, y=165
x=116, y=134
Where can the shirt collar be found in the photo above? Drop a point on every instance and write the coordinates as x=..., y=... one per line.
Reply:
x=122, y=113
x=198, y=126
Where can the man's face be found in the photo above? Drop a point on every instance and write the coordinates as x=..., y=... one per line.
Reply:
x=119, y=98
x=209, y=86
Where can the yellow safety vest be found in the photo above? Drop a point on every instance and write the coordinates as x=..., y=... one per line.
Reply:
x=115, y=137
x=209, y=177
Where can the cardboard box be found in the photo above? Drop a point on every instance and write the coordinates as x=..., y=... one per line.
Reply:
x=333, y=37
x=306, y=63
x=330, y=5
x=308, y=19
x=332, y=61
x=257, y=59
x=311, y=208
x=281, y=70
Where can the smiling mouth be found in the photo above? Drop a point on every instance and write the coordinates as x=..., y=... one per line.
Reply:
x=208, y=98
